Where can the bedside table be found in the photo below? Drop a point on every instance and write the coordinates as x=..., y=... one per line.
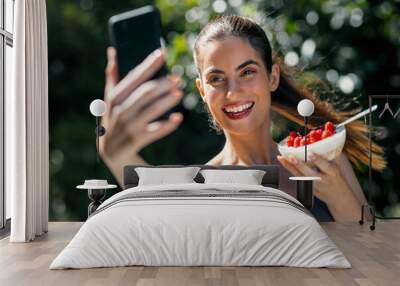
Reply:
x=96, y=192
x=305, y=190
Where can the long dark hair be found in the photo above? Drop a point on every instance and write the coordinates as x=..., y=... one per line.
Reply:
x=291, y=89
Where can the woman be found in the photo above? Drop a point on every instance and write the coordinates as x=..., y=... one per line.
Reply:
x=240, y=82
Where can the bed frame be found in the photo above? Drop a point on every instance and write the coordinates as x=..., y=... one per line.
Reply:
x=270, y=179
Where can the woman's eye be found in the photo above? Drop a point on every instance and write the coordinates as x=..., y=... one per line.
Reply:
x=215, y=79
x=248, y=72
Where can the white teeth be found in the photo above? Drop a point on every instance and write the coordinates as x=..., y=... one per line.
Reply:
x=239, y=108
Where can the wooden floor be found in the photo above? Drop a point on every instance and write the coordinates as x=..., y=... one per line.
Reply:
x=374, y=255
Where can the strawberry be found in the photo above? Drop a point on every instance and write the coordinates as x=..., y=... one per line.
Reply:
x=315, y=135
x=290, y=141
x=329, y=126
x=326, y=133
x=293, y=134
x=312, y=134
x=296, y=142
x=303, y=141
x=318, y=134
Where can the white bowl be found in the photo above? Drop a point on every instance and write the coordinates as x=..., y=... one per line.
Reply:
x=329, y=148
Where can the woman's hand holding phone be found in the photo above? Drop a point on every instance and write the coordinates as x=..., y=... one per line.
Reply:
x=133, y=103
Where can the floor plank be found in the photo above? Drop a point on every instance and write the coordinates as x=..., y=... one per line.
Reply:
x=374, y=255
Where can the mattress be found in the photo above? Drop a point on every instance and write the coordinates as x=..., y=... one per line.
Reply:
x=198, y=224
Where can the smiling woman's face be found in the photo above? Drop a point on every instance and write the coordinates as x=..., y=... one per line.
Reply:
x=235, y=84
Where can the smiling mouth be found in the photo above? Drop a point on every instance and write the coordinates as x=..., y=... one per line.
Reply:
x=239, y=112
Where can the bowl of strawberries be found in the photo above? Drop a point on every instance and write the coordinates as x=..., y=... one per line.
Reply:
x=327, y=141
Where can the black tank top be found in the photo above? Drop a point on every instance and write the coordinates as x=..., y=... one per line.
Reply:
x=320, y=211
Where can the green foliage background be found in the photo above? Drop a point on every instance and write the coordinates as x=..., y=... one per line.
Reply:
x=357, y=48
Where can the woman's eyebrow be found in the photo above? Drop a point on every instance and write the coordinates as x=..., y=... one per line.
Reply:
x=242, y=65
x=248, y=62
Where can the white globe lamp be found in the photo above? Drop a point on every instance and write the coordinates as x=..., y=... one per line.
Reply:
x=98, y=108
x=305, y=108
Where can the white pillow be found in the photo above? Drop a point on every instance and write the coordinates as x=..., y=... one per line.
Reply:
x=249, y=177
x=166, y=175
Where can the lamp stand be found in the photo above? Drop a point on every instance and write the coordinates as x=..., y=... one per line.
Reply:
x=100, y=131
x=305, y=136
x=97, y=139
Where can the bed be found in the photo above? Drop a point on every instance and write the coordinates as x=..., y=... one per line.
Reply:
x=201, y=224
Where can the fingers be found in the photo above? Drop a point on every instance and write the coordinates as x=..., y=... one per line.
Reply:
x=111, y=71
x=160, y=106
x=289, y=165
x=166, y=126
x=145, y=95
x=159, y=129
x=304, y=168
x=324, y=165
x=137, y=76
x=297, y=167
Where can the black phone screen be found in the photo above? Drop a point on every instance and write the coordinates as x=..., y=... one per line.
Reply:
x=135, y=35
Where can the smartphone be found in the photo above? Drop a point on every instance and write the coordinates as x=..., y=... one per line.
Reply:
x=136, y=34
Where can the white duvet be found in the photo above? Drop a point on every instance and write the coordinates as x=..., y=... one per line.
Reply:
x=183, y=231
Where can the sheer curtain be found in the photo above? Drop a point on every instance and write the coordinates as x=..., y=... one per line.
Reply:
x=27, y=124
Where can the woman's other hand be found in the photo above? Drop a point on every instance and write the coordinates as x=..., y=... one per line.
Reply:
x=133, y=104
x=332, y=189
